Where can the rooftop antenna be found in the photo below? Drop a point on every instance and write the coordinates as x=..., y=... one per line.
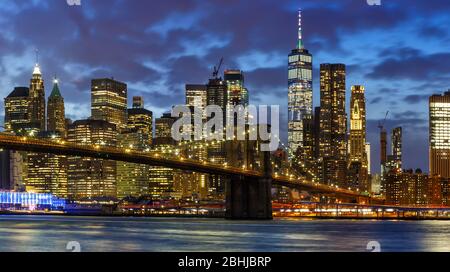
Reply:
x=37, y=56
x=300, y=31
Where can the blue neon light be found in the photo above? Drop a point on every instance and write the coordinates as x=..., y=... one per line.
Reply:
x=31, y=199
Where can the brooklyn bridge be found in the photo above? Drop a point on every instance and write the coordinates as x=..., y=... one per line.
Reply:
x=248, y=191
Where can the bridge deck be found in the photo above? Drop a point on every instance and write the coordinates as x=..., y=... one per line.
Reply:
x=109, y=153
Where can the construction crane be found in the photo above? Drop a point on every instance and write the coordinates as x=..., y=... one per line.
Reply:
x=217, y=69
x=381, y=124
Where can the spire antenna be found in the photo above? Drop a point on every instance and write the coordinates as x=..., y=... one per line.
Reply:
x=37, y=56
x=300, y=31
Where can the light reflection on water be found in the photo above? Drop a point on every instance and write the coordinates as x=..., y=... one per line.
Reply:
x=47, y=233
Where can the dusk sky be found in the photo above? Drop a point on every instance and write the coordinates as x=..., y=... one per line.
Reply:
x=400, y=51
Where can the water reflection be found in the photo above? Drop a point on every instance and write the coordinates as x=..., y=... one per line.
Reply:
x=34, y=233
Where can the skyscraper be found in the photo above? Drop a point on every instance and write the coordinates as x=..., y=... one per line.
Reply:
x=17, y=110
x=237, y=94
x=109, y=101
x=163, y=126
x=358, y=157
x=333, y=124
x=440, y=135
x=397, y=147
x=196, y=96
x=369, y=159
x=196, y=99
x=56, y=120
x=132, y=178
x=141, y=119
x=89, y=177
x=37, y=100
x=300, y=93
x=47, y=173
x=217, y=94
x=357, y=124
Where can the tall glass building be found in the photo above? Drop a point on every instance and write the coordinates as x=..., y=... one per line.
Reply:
x=237, y=94
x=440, y=135
x=300, y=95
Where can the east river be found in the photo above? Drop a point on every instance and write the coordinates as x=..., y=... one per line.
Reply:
x=117, y=234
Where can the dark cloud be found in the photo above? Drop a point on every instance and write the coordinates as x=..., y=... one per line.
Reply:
x=376, y=100
x=414, y=99
x=413, y=67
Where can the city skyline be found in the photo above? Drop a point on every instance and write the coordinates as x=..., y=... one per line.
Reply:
x=265, y=67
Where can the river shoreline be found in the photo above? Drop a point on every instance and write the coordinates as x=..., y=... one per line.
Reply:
x=117, y=215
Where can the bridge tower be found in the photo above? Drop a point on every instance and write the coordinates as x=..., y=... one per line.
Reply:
x=249, y=198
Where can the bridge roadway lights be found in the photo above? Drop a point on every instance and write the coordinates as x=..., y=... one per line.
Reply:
x=249, y=198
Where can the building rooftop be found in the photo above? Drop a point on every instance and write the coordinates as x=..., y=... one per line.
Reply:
x=55, y=91
x=19, y=92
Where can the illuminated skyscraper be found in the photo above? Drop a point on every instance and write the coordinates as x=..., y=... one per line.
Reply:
x=358, y=166
x=141, y=119
x=163, y=126
x=357, y=124
x=89, y=177
x=132, y=178
x=397, y=147
x=369, y=161
x=196, y=96
x=217, y=94
x=17, y=111
x=109, y=101
x=196, y=99
x=56, y=120
x=37, y=100
x=237, y=94
x=47, y=173
x=440, y=135
x=333, y=124
x=300, y=95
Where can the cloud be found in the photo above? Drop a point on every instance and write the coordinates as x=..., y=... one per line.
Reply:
x=414, y=99
x=156, y=47
x=413, y=67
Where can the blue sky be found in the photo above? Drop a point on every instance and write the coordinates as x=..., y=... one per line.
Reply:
x=399, y=51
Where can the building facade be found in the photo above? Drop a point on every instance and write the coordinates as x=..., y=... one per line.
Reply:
x=132, y=178
x=333, y=124
x=47, y=173
x=89, y=177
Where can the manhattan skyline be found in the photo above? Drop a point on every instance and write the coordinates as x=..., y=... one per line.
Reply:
x=400, y=66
